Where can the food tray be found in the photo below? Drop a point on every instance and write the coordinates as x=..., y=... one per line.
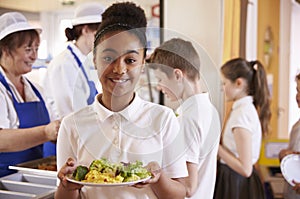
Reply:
x=31, y=167
x=23, y=186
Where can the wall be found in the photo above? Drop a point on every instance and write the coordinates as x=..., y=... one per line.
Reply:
x=268, y=15
x=200, y=21
x=284, y=71
x=294, y=64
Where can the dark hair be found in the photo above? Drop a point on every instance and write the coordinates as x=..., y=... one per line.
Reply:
x=17, y=39
x=176, y=53
x=125, y=16
x=297, y=77
x=254, y=74
x=75, y=32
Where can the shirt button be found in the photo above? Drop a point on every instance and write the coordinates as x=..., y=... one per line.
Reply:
x=115, y=141
x=115, y=127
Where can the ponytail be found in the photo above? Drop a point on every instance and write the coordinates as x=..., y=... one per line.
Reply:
x=70, y=34
x=261, y=95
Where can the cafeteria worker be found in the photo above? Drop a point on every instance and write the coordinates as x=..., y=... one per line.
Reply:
x=72, y=88
x=24, y=120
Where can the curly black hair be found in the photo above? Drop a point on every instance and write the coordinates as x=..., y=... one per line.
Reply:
x=123, y=16
x=126, y=13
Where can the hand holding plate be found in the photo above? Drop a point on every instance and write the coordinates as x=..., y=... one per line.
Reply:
x=67, y=169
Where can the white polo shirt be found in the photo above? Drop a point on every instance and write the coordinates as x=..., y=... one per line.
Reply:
x=200, y=123
x=294, y=142
x=243, y=115
x=66, y=86
x=143, y=131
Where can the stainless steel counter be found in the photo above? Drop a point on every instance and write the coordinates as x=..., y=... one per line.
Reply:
x=25, y=186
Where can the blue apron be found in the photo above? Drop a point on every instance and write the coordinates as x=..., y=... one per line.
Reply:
x=30, y=114
x=93, y=90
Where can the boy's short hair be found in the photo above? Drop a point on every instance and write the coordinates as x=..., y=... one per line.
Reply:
x=297, y=77
x=176, y=53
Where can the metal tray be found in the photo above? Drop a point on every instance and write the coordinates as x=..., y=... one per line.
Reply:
x=20, y=185
x=31, y=167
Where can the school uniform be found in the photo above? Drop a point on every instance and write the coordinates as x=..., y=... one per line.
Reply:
x=143, y=131
x=67, y=82
x=230, y=184
x=16, y=113
x=200, y=124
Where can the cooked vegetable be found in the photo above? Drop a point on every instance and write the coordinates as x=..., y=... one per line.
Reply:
x=80, y=172
x=134, y=171
x=103, y=171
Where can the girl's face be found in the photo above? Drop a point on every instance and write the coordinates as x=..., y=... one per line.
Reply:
x=167, y=85
x=22, y=58
x=298, y=93
x=231, y=89
x=119, y=59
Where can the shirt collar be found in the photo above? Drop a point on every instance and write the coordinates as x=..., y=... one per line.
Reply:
x=104, y=113
x=244, y=100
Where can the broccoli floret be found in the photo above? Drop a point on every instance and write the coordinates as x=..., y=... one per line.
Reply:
x=80, y=172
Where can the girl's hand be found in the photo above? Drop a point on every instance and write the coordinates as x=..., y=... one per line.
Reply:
x=285, y=152
x=68, y=168
x=296, y=187
x=155, y=170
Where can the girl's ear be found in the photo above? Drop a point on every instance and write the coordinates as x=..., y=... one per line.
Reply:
x=239, y=81
x=178, y=74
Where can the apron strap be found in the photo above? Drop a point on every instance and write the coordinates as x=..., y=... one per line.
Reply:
x=92, y=87
x=5, y=84
x=78, y=62
x=35, y=90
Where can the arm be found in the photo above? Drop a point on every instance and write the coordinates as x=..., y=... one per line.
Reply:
x=12, y=140
x=191, y=182
x=167, y=188
x=242, y=164
x=163, y=186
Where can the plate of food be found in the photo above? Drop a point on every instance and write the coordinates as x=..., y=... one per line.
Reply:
x=103, y=173
x=290, y=168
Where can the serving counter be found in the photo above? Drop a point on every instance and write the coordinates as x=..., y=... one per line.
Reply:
x=30, y=181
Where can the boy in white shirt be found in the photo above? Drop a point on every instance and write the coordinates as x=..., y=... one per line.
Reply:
x=177, y=69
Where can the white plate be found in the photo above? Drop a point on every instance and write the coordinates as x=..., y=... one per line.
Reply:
x=107, y=184
x=290, y=168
